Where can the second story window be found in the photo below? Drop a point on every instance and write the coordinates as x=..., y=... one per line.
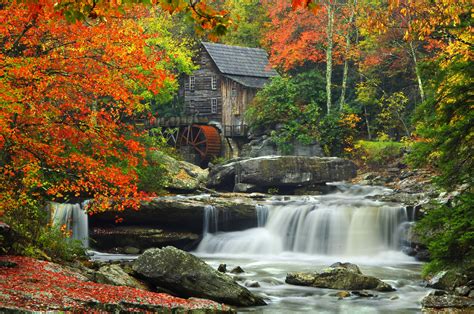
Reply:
x=192, y=83
x=214, y=82
x=213, y=105
x=234, y=90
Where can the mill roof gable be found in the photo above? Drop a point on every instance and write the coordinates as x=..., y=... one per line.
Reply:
x=247, y=66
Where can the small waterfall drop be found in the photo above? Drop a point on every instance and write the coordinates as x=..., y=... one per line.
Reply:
x=262, y=215
x=346, y=223
x=211, y=220
x=74, y=217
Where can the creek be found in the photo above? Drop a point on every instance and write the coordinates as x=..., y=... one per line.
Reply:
x=309, y=233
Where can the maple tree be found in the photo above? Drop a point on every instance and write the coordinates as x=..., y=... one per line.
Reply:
x=69, y=80
x=65, y=94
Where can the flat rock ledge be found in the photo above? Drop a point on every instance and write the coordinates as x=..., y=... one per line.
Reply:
x=188, y=276
x=184, y=213
x=341, y=276
x=440, y=300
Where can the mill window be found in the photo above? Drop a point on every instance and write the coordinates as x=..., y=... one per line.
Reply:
x=213, y=105
x=192, y=83
x=213, y=82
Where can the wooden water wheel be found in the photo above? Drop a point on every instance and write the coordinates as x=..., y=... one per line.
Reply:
x=204, y=139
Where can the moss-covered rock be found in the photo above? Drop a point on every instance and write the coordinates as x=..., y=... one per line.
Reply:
x=339, y=276
x=188, y=276
x=182, y=175
x=447, y=280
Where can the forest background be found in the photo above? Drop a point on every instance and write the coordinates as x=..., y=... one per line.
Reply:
x=368, y=79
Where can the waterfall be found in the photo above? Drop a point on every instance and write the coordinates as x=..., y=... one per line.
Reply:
x=262, y=215
x=211, y=220
x=340, y=224
x=74, y=217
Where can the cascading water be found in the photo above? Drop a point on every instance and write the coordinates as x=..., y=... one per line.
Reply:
x=211, y=220
x=74, y=217
x=262, y=215
x=346, y=223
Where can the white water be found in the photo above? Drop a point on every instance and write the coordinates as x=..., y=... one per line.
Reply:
x=309, y=233
x=346, y=223
x=74, y=217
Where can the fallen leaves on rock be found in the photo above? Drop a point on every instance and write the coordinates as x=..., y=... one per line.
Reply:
x=36, y=285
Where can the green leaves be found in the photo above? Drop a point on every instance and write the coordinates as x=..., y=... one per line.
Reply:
x=448, y=230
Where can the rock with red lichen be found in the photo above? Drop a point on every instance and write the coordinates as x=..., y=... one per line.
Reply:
x=35, y=285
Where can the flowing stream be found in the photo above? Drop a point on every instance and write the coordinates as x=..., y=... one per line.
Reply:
x=309, y=233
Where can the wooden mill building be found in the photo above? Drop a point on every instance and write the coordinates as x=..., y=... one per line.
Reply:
x=216, y=97
x=225, y=83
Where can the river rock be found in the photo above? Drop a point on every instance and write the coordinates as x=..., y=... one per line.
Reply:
x=222, y=268
x=188, y=276
x=438, y=301
x=182, y=175
x=114, y=275
x=462, y=291
x=343, y=294
x=252, y=284
x=237, y=270
x=338, y=277
x=286, y=172
x=447, y=280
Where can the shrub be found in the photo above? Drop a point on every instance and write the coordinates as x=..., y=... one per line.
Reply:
x=448, y=231
x=377, y=154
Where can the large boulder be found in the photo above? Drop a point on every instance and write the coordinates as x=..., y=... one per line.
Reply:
x=265, y=146
x=182, y=175
x=286, y=172
x=447, y=280
x=342, y=276
x=188, y=276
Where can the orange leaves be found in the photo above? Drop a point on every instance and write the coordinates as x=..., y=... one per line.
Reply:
x=65, y=92
x=296, y=33
x=300, y=3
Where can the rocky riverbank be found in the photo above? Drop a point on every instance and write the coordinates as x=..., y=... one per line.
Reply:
x=414, y=188
x=28, y=285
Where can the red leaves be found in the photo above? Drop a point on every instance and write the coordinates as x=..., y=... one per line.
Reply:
x=38, y=285
x=300, y=3
x=66, y=89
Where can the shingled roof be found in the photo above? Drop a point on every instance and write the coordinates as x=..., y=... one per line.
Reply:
x=247, y=66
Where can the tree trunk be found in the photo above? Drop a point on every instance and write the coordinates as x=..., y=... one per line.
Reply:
x=342, y=99
x=417, y=72
x=329, y=32
x=366, y=116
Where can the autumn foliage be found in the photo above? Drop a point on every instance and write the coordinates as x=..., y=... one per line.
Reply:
x=296, y=35
x=66, y=90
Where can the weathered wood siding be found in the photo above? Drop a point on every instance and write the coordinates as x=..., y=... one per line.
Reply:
x=203, y=92
x=236, y=99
